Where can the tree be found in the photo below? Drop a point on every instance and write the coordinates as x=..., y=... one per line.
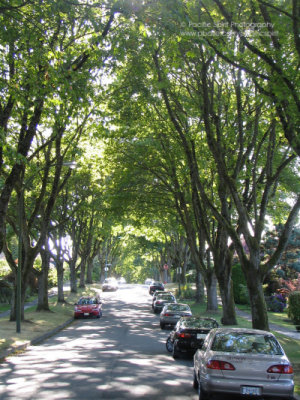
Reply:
x=264, y=32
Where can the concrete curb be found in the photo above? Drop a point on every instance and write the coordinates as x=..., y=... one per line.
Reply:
x=14, y=349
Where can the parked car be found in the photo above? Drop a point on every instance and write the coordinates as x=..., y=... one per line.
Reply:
x=88, y=307
x=156, y=293
x=121, y=281
x=110, y=284
x=240, y=361
x=189, y=334
x=172, y=312
x=161, y=300
x=156, y=286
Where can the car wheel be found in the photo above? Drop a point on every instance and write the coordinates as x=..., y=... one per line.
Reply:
x=169, y=345
x=195, y=381
x=162, y=325
x=175, y=351
x=202, y=395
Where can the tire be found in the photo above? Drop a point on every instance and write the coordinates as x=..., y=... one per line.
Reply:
x=162, y=325
x=169, y=345
x=202, y=395
x=195, y=381
x=175, y=351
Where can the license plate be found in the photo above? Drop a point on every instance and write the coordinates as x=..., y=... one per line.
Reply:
x=250, y=390
x=86, y=313
x=201, y=335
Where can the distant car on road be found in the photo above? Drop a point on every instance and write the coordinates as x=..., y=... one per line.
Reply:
x=240, y=361
x=148, y=281
x=156, y=286
x=161, y=300
x=171, y=313
x=189, y=334
x=88, y=307
x=121, y=281
x=110, y=284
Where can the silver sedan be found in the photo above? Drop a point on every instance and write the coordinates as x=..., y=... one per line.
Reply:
x=241, y=361
x=171, y=313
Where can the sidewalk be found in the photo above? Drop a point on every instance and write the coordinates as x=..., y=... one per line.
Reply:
x=290, y=332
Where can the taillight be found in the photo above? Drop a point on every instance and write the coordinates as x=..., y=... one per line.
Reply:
x=221, y=365
x=183, y=335
x=166, y=315
x=281, y=369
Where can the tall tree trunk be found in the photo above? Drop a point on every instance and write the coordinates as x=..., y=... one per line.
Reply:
x=82, y=274
x=60, y=281
x=223, y=265
x=211, y=291
x=89, y=270
x=228, y=304
x=200, y=295
x=43, y=303
x=73, y=279
x=257, y=299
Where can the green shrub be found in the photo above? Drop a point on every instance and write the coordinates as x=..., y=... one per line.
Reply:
x=294, y=307
x=186, y=292
x=240, y=291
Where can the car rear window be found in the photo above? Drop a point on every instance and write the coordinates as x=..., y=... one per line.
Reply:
x=178, y=307
x=246, y=343
x=200, y=323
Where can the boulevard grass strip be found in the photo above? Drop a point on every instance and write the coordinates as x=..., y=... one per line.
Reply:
x=281, y=319
x=36, y=324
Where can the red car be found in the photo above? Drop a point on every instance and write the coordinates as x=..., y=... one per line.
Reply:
x=88, y=307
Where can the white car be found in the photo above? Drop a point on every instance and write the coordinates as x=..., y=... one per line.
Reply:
x=245, y=362
x=110, y=284
x=148, y=281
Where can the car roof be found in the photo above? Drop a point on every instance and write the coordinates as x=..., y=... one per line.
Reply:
x=243, y=330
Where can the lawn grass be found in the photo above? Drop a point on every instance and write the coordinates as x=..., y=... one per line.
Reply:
x=4, y=307
x=39, y=323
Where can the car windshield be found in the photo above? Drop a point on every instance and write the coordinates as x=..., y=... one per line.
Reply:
x=87, y=301
x=236, y=342
x=178, y=307
x=199, y=323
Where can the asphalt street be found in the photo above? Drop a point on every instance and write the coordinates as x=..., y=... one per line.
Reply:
x=119, y=356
